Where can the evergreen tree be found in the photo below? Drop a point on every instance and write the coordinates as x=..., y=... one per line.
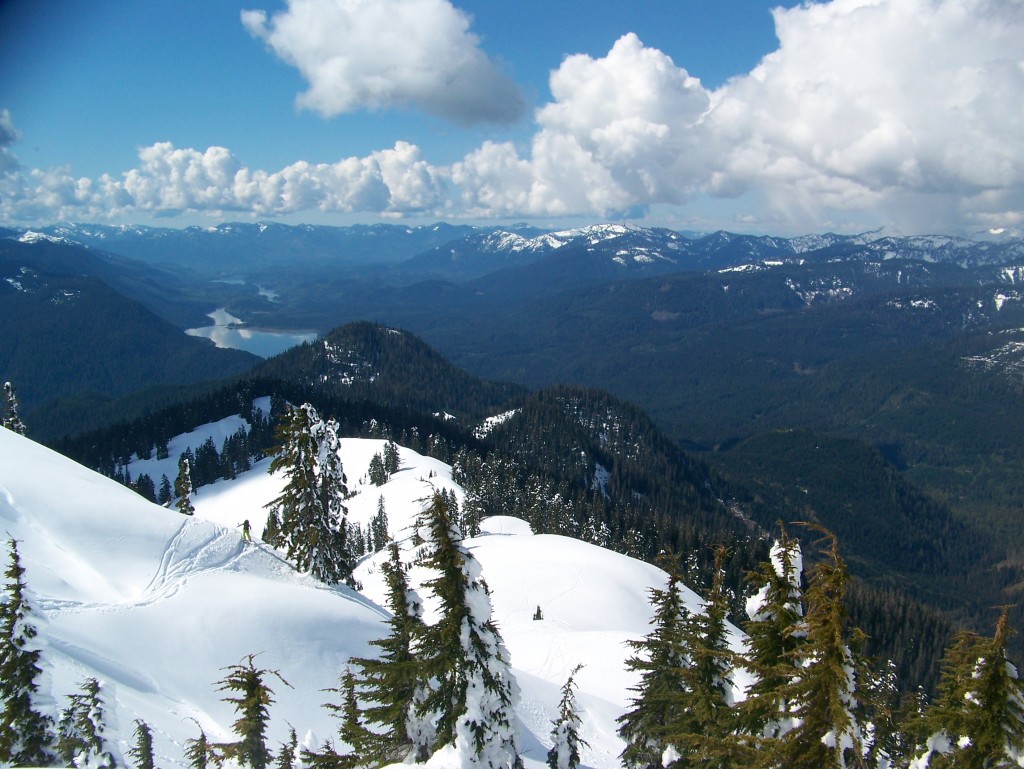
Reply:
x=9, y=418
x=660, y=659
x=81, y=740
x=379, y=527
x=142, y=752
x=333, y=552
x=144, y=486
x=703, y=736
x=978, y=717
x=307, y=519
x=296, y=459
x=351, y=732
x=376, y=472
x=198, y=750
x=884, y=743
x=286, y=755
x=183, y=488
x=775, y=610
x=391, y=681
x=252, y=703
x=391, y=459
x=827, y=733
x=26, y=736
x=474, y=693
x=166, y=493
x=565, y=732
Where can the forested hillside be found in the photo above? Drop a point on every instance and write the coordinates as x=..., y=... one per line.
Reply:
x=579, y=462
x=66, y=334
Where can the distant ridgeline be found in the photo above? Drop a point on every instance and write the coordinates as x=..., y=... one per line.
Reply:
x=569, y=460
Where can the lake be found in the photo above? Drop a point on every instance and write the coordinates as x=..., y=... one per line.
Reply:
x=229, y=331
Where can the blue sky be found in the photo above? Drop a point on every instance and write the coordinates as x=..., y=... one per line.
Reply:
x=694, y=114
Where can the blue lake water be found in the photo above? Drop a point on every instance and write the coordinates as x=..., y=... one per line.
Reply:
x=229, y=331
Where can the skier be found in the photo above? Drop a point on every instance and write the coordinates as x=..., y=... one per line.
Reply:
x=246, y=536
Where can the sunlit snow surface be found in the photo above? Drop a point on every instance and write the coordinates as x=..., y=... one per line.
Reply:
x=155, y=605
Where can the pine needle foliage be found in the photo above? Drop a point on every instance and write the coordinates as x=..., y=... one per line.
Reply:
x=703, y=736
x=308, y=519
x=773, y=640
x=9, y=417
x=81, y=733
x=183, y=488
x=141, y=752
x=286, y=755
x=828, y=732
x=252, y=704
x=565, y=731
x=198, y=750
x=660, y=659
x=473, y=692
x=977, y=719
x=390, y=681
x=26, y=734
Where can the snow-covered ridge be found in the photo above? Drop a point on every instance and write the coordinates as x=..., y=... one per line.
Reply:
x=155, y=604
x=31, y=236
x=484, y=428
x=1008, y=357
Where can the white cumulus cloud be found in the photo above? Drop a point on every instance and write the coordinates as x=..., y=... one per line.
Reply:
x=904, y=113
x=169, y=181
x=389, y=53
x=620, y=132
x=882, y=106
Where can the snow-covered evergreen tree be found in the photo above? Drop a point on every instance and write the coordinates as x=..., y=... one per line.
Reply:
x=183, y=488
x=252, y=703
x=827, y=731
x=308, y=519
x=331, y=550
x=9, y=418
x=26, y=734
x=142, y=752
x=565, y=731
x=82, y=740
x=473, y=695
x=390, y=681
x=773, y=637
x=702, y=737
x=978, y=718
x=660, y=658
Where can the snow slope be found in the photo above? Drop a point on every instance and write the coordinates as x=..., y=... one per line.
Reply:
x=155, y=605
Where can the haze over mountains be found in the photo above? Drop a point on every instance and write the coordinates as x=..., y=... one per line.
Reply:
x=903, y=353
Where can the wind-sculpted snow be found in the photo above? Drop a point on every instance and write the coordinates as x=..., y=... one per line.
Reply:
x=155, y=605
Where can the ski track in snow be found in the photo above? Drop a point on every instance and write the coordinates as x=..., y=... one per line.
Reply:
x=195, y=548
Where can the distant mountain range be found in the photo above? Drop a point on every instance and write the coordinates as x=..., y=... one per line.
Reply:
x=461, y=251
x=910, y=347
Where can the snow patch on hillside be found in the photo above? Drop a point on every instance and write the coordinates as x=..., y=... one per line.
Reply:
x=156, y=604
x=484, y=428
